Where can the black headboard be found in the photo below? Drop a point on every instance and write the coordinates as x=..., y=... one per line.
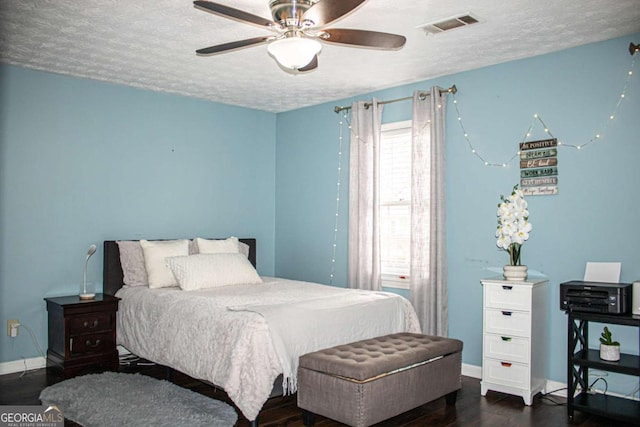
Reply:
x=112, y=273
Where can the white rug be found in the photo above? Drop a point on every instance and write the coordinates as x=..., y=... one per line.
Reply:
x=114, y=399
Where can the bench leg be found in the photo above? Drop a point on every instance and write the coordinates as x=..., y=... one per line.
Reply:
x=308, y=418
x=451, y=398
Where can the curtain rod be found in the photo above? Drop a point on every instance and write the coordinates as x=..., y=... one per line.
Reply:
x=452, y=89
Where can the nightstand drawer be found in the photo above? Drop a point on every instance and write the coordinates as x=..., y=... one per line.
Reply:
x=506, y=322
x=89, y=344
x=506, y=348
x=512, y=297
x=505, y=373
x=89, y=323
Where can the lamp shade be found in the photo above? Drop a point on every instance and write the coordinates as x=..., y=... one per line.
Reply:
x=294, y=52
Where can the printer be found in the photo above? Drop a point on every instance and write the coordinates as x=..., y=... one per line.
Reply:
x=595, y=297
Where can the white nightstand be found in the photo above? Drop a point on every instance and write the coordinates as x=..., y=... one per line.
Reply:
x=514, y=349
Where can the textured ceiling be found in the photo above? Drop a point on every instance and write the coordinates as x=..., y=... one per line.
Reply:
x=151, y=44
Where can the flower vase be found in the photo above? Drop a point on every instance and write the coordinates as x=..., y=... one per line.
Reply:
x=610, y=353
x=515, y=272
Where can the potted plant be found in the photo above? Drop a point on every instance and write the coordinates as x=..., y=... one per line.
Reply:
x=609, y=349
x=513, y=229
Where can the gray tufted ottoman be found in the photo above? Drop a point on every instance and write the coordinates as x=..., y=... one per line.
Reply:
x=368, y=381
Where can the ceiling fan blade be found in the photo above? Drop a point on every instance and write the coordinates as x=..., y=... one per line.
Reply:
x=238, y=15
x=310, y=66
x=226, y=47
x=362, y=38
x=327, y=11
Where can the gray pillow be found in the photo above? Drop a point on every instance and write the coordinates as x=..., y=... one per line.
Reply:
x=132, y=262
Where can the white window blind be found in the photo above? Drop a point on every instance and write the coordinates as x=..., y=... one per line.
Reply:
x=395, y=203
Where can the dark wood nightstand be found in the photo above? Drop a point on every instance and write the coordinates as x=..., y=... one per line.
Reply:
x=82, y=334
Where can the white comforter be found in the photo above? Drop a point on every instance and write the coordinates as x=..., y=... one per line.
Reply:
x=242, y=337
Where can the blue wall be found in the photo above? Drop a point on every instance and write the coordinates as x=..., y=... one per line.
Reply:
x=83, y=161
x=593, y=218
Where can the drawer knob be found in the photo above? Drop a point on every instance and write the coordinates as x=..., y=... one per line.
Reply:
x=507, y=288
x=506, y=313
x=91, y=325
x=506, y=338
x=94, y=345
x=506, y=364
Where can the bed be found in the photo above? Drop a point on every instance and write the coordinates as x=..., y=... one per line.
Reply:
x=246, y=338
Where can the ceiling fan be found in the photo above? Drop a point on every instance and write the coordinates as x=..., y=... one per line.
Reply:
x=300, y=27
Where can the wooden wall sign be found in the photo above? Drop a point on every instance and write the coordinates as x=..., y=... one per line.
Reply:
x=539, y=167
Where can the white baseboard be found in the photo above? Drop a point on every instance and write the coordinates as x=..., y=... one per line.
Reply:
x=554, y=388
x=472, y=371
x=22, y=365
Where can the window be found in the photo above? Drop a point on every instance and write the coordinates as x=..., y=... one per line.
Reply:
x=395, y=204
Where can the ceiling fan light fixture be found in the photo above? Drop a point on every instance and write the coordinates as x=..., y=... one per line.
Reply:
x=294, y=52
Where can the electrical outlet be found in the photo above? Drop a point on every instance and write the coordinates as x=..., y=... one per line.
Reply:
x=12, y=327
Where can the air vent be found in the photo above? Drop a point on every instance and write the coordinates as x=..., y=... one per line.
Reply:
x=447, y=24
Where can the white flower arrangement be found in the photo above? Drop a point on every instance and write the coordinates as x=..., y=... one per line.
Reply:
x=513, y=224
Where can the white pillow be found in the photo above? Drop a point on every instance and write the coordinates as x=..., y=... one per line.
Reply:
x=154, y=260
x=204, y=271
x=244, y=248
x=225, y=246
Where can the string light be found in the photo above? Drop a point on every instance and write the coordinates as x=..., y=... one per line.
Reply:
x=536, y=118
x=339, y=173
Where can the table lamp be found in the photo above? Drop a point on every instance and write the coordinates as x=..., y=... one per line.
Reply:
x=87, y=295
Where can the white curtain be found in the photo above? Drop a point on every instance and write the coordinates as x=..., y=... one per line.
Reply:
x=428, y=272
x=364, y=161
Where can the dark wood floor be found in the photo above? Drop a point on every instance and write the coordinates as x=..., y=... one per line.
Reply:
x=494, y=410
